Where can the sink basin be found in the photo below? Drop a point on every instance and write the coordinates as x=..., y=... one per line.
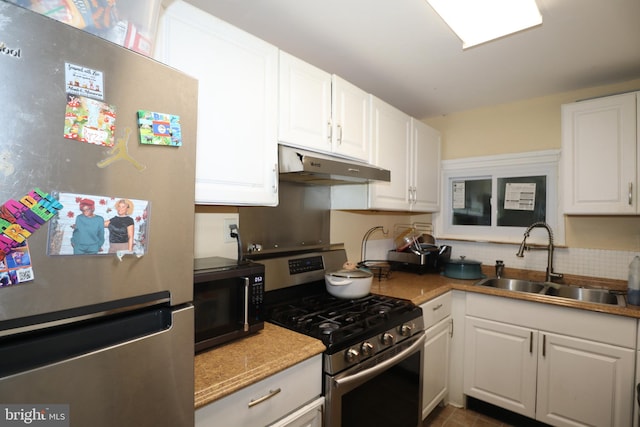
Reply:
x=599, y=296
x=576, y=293
x=513, y=284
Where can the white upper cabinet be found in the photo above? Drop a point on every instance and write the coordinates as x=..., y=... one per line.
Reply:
x=305, y=104
x=391, y=144
x=237, y=104
x=600, y=155
x=410, y=150
x=322, y=112
x=351, y=120
x=425, y=163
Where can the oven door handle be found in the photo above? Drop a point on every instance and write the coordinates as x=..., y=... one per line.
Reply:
x=381, y=366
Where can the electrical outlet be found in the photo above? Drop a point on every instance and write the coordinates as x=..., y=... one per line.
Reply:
x=226, y=231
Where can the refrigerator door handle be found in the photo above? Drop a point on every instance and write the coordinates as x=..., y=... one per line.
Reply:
x=75, y=315
x=24, y=352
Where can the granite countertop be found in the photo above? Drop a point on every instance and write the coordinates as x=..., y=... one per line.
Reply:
x=223, y=370
x=226, y=369
x=422, y=288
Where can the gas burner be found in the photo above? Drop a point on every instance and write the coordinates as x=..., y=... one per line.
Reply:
x=328, y=327
x=341, y=323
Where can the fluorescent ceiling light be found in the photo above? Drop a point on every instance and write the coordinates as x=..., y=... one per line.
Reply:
x=478, y=21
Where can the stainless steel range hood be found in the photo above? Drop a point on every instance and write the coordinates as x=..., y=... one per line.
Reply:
x=313, y=168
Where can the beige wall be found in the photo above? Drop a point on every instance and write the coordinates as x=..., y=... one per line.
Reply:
x=531, y=125
x=349, y=227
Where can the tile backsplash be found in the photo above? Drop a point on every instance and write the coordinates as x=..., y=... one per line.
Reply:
x=602, y=263
x=582, y=262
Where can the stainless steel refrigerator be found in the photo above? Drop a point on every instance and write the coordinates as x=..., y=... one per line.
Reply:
x=96, y=325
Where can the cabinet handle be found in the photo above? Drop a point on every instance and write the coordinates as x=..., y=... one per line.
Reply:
x=544, y=345
x=531, y=342
x=412, y=195
x=340, y=134
x=437, y=307
x=267, y=396
x=451, y=333
x=275, y=179
x=329, y=132
x=630, y=193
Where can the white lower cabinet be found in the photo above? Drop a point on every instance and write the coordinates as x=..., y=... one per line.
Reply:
x=581, y=381
x=438, y=330
x=500, y=365
x=290, y=398
x=561, y=366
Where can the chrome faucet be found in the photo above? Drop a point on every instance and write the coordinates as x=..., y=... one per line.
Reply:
x=523, y=246
x=499, y=268
x=363, y=249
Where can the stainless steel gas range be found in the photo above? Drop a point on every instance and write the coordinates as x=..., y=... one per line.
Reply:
x=372, y=368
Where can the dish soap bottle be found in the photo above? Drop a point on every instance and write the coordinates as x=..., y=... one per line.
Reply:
x=633, y=286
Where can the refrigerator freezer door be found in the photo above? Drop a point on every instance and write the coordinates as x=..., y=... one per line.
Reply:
x=36, y=52
x=147, y=381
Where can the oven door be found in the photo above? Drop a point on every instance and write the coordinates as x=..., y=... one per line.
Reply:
x=384, y=390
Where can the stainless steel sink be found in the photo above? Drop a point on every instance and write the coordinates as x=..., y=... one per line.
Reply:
x=576, y=293
x=513, y=284
x=598, y=296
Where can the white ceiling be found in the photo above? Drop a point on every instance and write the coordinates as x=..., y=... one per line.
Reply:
x=402, y=52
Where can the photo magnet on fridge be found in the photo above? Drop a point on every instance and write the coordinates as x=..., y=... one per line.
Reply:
x=159, y=128
x=99, y=225
x=88, y=120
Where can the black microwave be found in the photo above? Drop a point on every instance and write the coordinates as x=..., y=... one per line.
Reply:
x=228, y=299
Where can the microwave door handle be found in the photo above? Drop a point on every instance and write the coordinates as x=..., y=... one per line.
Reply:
x=246, y=304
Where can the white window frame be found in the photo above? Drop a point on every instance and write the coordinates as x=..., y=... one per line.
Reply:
x=536, y=163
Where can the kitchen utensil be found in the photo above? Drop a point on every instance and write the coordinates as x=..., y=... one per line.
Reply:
x=379, y=269
x=405, y=239
x=349, y=284
x=463, y=269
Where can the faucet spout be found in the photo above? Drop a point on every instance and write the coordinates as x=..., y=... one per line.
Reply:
x=523, y=246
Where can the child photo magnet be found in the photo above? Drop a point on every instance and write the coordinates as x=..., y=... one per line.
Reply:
x=159, y=128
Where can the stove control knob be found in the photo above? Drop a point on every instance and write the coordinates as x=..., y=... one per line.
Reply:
x=387, y=339
x=405, y=330
x=351, y=355
x=366, y=349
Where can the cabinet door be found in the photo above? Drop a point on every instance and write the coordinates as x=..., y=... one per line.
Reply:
x=237, y=104
x=391, y=136
x=425, y=161
x=351, y=120
x=599, y=155
x=305, y=105
x=582, y=382
x=436, y=365
x=500, y=365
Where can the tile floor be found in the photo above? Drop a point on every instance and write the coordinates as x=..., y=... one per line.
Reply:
x=450, y=416
x=477, y=414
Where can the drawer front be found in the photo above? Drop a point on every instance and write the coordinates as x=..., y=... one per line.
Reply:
x=437, y=309
x=268, y=400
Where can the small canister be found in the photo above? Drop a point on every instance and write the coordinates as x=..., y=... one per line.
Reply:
x=633, y=286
